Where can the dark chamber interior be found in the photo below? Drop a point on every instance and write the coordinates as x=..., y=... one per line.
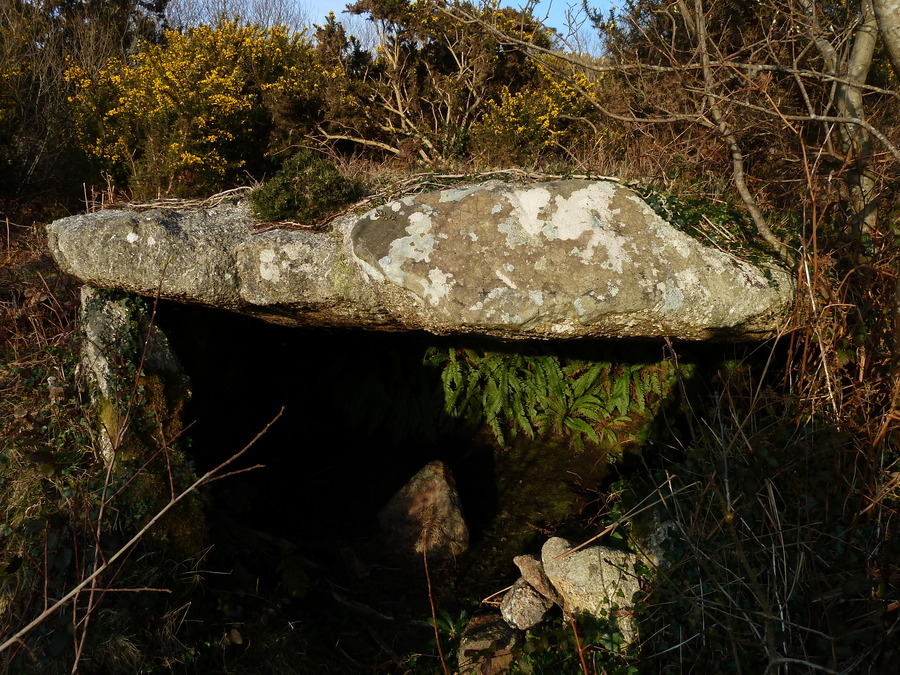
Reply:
x=297, y=542
x=361, y=416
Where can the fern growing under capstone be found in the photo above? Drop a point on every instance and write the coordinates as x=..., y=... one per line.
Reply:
x=575, y=400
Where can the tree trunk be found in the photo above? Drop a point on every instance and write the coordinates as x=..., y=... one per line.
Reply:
x=856, y=140
x=887, y=12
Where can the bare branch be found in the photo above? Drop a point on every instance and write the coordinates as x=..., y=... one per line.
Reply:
x=126, y=548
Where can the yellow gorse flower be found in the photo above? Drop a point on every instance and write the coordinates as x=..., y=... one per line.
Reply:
x=176, y=108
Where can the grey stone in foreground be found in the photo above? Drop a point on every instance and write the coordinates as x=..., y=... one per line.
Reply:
x=596, y=580
x=487, y=646
x=523, y=607
x=532, y=571
x=563, y=259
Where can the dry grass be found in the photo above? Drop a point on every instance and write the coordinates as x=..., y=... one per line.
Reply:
x=786, y=505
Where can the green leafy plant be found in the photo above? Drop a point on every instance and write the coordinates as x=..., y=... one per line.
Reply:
x=306, y=188
x=577, y=400
x=553, y=647
x=711, y=221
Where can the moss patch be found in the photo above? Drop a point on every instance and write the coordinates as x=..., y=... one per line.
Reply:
x=307, y=188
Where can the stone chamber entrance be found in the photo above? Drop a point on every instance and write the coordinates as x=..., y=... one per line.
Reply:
x=298, y=558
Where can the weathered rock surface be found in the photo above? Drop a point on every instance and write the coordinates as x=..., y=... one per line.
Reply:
x=532, y=571
x=487, y=645
x=116, y=334
x=562, y=259
x=595, y=580
x=523, y=607
x=425, y=517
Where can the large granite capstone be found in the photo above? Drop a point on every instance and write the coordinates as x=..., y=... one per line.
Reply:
x=562, y=259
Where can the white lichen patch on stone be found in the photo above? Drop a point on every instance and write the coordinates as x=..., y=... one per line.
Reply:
x=515, y=236
x=505, y=279
x=579, y=304
x=132, y=237
x=672, y=297
x=439, y=288
x=268, y=266
x=458, y=194
x=528, y=209
x=564, y=328
x=418, y=246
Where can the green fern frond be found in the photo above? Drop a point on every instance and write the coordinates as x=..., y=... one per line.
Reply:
x=579, y=426
x=513, y=393
x=637, y=385
x=590, y=378
x=590, y=407
x=620, y=394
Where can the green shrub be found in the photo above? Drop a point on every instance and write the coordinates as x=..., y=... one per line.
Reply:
x=306, y=188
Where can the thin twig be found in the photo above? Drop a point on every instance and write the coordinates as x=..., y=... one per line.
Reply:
x=434, y=623
x=204, y=479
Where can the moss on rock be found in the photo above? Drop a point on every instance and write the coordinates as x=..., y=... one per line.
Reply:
x=306, y=188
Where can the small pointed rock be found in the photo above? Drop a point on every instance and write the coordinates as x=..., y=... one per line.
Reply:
x=425, y=517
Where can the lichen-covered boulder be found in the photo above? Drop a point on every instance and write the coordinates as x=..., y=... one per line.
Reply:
x=187, y=255
x=522, y=607
x=561, y=259
x=570, y=258
x=137, y=390
x=596, y=580
x=117, y=337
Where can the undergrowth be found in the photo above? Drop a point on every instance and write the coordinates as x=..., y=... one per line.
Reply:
x=68, y=509
x=778, y=559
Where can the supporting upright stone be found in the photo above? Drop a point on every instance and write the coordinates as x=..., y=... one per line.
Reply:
x=120, y=348
x=138, y=389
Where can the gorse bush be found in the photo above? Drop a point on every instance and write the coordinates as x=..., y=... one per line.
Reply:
x=306, y=188
x=195, y=112
x=39, y=42
x=518, y=127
